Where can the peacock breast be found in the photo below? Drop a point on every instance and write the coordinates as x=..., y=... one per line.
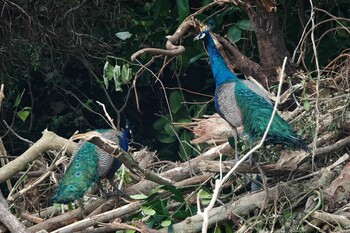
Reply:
x=226, y=104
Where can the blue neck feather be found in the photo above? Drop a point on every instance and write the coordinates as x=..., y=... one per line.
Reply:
x=124, y=139
x=221, y=72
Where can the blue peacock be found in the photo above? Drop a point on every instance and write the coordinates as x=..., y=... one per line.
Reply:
x=241, y=104
x=89, y=165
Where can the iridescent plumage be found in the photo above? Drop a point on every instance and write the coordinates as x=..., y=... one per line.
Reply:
x=240, y=105
x=90, y=164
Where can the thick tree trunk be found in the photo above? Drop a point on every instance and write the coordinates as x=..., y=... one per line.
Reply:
x=272, y=49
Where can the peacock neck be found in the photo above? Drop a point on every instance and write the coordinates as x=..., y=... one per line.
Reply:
x=221, y=72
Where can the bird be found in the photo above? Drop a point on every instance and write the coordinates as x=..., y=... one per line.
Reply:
x=90, y=164
x=240, y=104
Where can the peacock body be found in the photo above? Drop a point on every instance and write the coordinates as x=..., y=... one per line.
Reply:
x=239, y=104
x=90, y=164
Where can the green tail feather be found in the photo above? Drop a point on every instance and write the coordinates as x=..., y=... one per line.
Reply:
x=81, y=173
x=257, y=113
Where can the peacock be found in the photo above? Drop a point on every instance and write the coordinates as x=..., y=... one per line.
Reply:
x=90, y=164
x=240, y=104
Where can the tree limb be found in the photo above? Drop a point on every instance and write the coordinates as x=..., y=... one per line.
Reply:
x=49, y=141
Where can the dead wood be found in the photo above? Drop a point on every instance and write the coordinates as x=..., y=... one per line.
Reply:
x=49, y=141
x=10, y=221
x=241, y=207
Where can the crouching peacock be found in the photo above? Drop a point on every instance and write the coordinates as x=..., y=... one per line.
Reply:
x=90, y=164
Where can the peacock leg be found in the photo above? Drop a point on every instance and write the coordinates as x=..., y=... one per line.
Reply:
x=235, y=137
x=251, y=159
x=81, y=206
x=100, y=187
x=116, y=190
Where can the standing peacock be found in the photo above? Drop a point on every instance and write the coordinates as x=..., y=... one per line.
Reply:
x=238, y=104
x=90, y=164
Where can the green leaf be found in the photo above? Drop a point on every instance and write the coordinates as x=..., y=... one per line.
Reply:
x=126, y=74
x=166, y=138
x=175, y=100
x=200, y=110
x=177, y=194
x=116, y=77
x=24, y=113
x=306, y=105
x=245, y=24
x=343, y=32
x=217, y=229
x=205, y=196
x=148, y=211
x=341, y=28
x=138, y=196
x=107, y=73
x=18, y=100
x=185, y=148
x=234, y=34
x=169, y=129
x=123, y=35
x=197, y=57
x=127, y=231
x=160, y=123
x=181, y=214
x=165, y=223
x=228, y=228
x=183, y=9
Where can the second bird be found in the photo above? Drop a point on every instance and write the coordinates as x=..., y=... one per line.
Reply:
x=89, y=165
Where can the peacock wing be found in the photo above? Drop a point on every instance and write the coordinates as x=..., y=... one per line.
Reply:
x=107, y=164
x=226, y=104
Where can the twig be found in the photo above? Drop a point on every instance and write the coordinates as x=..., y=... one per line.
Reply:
x=334, y=147
x=171, y=48
x=318, y=205
x=2, y=95
x=314, y=146
x=104, y=217
x=330, y=167
x=332, y=218
x=107, y=115
x=14, y=133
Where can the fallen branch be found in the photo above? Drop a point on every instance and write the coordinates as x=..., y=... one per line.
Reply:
x=9, y=220
x=241, y=207
x=49, y=141
x=180, y=173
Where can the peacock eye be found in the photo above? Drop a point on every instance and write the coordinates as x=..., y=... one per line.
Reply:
x=201, y=35
x=78, y=173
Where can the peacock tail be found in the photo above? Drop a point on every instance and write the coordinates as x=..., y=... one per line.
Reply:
x=80, y=175
x=257, y=114
x=90, y=163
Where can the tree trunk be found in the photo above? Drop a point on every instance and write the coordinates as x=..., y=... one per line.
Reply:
x=272, y=49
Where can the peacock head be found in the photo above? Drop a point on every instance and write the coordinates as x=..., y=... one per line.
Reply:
x=201, y=35
x=205, y=30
